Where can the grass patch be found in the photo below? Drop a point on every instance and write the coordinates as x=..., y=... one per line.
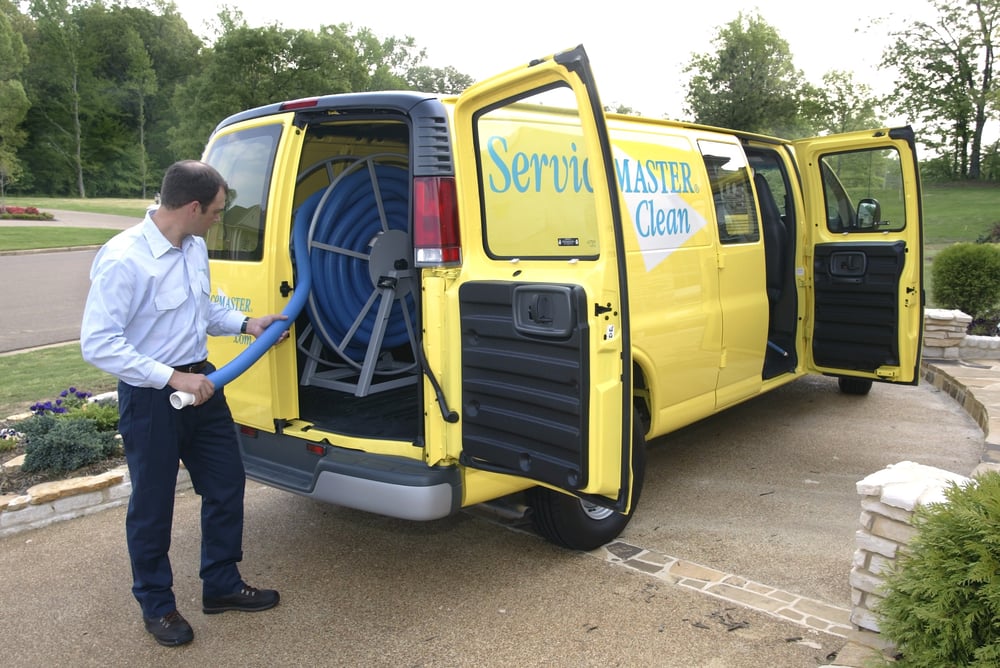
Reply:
x=39, y=375
x=135, y=208
x=25, y=238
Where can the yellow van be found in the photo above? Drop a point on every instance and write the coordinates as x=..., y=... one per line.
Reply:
x=502, y=295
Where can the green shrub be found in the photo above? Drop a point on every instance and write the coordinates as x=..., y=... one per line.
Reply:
x=64, y=443
x=942, y=604
x=966, y=276
x=104, y=413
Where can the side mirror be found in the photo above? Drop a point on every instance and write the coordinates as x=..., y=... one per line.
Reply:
x=869, y=213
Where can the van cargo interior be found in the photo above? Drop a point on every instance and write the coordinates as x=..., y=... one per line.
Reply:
x=357, y=337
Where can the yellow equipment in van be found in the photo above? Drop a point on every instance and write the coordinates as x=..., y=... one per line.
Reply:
x=510, y=292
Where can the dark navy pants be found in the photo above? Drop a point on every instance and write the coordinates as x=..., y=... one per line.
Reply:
x=156, y=436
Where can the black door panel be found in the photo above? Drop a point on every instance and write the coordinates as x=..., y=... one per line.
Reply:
x=525, y=380
x=857, y=304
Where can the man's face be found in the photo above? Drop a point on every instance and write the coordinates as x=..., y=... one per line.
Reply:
x=204, y=219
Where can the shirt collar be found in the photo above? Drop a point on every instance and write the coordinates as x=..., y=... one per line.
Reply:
x=159, y=245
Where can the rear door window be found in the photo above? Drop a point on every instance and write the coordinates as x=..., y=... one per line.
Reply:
x=245, y=158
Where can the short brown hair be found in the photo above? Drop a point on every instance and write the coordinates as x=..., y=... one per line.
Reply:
x=190, y=180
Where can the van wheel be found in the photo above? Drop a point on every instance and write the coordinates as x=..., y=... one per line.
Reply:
x=857, y=386
x=581, y=525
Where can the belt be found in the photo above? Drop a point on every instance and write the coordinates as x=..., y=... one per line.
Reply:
x=196, y=367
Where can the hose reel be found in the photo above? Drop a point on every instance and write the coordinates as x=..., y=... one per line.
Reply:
x=361, y=305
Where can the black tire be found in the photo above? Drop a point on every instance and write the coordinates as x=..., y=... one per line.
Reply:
x=856, y=386
x=579, y=525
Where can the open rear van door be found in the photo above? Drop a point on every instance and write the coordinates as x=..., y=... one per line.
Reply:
x=546, y=387
x=863, y=209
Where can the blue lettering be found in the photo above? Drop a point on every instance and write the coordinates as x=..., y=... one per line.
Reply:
x=498, y=161
x=525, y=172
x=651, y=221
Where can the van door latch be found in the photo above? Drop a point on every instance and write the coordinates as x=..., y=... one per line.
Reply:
x=285, y=289
x=601, y=310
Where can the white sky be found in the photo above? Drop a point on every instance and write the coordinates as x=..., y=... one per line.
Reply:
x=638, y=49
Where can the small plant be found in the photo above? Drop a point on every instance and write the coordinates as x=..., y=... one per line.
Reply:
x=68, y=399
x=64, y=443
x=943, y=597
x=9, y=438
x=72, y=402
x=966, y=276
x=69, y=432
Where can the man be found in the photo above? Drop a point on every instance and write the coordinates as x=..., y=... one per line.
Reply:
x=146, y=321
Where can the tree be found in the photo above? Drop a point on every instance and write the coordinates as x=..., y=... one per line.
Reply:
x=447, y=80
x=249, y=67
x=54, y=84
x=749, y=82
x=841, y=104
x=946, y=77
x=13, y=100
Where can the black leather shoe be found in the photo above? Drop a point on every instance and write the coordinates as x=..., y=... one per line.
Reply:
x=245, y=599
x=169, y=630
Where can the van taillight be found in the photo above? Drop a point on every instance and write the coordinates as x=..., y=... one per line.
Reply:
x=303, y=103
x=436, y=239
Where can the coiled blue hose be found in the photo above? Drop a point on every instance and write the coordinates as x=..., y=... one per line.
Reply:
x=349, y=221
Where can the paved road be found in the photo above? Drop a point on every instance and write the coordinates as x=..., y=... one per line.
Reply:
x=44, y=293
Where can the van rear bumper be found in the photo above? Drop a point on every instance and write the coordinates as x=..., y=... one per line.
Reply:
x=390, y=486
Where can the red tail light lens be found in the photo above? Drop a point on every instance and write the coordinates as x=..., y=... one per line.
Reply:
x=303, y=103
x=436, y=239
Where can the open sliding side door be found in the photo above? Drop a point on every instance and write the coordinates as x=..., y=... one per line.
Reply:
x=546, y=366
x=863, y=209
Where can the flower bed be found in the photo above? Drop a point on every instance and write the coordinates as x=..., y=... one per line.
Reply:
x=23, y=213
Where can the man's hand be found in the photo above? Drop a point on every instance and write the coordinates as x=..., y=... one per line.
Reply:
x=196, y=384
x=256, y=326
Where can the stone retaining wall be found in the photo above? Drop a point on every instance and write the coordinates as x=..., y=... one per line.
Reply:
x=51, y=502
x=945, y=338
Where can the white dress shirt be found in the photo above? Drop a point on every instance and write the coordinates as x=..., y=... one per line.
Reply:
x=149, y=307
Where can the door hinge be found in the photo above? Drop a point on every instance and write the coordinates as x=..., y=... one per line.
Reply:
x=601, y=310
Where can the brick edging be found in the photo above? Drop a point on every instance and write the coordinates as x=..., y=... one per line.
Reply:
x=58, y=500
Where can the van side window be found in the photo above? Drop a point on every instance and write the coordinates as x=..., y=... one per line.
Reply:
x=538, y=201
x=863, y=191
x=245, y=159
x=735, y=212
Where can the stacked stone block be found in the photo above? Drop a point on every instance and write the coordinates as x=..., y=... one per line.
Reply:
x=945, y=333
x=889, y=499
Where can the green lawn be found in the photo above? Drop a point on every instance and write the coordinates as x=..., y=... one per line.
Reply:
x=135, y=208
x=40, y=375
x=24, y=238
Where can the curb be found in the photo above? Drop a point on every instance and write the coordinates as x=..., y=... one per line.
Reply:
x=936, y=374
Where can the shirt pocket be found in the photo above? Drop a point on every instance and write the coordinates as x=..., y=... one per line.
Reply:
x=168, y=300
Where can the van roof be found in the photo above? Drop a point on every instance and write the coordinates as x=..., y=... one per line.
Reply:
x=381, y=101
